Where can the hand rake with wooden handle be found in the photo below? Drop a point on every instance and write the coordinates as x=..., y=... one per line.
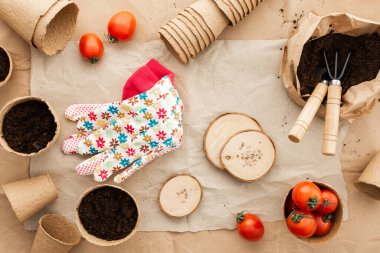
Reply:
x=334, y=95
x=308, y=112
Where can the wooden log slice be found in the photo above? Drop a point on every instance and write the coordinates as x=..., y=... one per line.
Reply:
x=221, y=130
x=180, y=195
x=248, y=155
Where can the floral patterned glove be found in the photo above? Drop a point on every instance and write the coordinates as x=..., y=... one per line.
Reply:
x=127, y=134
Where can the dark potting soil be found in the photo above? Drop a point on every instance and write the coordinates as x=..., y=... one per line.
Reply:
x=29, y=126
x=4, y=65
x=108, y=213
x=364, y=63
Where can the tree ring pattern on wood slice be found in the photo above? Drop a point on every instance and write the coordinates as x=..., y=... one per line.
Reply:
x=248, y=155
x=221, y=130
x=180, y=195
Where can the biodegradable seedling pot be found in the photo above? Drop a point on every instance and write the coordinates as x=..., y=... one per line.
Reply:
x=369, y=180
x=203, y=34
x=214, y=18
x=202, y=22
x=2, y=82
x=56, y=234
x=227, y=11
x=46, y=24
x=29, y=196
x=187, y=46
x=199, y=43
x=99, y=241
x=15, y=102
x=189, y=35
x=338, y=216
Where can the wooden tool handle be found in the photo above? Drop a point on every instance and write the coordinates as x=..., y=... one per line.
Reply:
x=330, y=135
x=308, y=112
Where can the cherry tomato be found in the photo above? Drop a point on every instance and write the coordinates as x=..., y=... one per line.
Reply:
x=302, y=223
x=307, y=196
x=329, y=201
x=91, y=47
x=324, y=224
x=289, y=205
x=249, y=226
x=121, y=26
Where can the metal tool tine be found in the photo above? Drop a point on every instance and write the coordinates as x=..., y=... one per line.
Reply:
x=327, y=65
x=336, y=65
x=345, y=66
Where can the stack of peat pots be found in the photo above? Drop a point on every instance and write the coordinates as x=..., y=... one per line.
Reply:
x=196, y=27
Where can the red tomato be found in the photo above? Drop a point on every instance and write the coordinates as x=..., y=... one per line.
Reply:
x=289, y=205
x=121, y=26
x=329, y=202
x=307, y=196
x=249, y=226
x=302, y=223
x=324, y=224
x=91, y=47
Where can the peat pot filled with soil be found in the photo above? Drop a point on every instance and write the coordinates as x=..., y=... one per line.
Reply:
x=107, y=215
x=6, y=66
x=28, y=126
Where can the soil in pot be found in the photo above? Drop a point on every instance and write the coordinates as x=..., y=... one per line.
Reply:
x=29, y=126
x=4, y=64
x=364, y=63
x=108, y=213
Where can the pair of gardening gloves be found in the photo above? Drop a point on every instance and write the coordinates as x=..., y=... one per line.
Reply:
x=125, y=136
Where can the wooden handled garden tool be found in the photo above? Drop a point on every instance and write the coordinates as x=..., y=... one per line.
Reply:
x=307, y=114
x=334, y=95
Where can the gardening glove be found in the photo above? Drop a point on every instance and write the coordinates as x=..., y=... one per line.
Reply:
x=129, y=134
x=140, y=81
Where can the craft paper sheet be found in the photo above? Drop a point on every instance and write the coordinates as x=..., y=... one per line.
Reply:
x=230, y=76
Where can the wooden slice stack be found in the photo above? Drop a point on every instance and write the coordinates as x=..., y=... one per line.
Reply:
x=235, y=142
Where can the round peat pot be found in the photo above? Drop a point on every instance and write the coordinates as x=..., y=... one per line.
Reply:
x=56, y=234
x=336, y=222
x=29, y=196
x=102, y=213
x=7, y=64
x=24, y=134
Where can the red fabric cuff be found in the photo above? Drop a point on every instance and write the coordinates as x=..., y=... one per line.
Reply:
x=145, y=78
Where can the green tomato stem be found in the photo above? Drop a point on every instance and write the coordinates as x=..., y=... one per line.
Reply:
x=111, y=39
x=240, y=216
x=297, y=217
x=94, y=59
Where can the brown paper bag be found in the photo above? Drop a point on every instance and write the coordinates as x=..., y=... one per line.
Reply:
x=46, y=24
x=359, y=99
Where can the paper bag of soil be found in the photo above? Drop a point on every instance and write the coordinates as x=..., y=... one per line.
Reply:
x=359, y=98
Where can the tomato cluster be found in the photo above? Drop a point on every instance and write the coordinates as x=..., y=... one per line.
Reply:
x=121, y=27
x=310, y=210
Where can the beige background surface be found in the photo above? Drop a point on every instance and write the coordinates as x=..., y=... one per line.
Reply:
x=359, y=234
x=64, y=79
